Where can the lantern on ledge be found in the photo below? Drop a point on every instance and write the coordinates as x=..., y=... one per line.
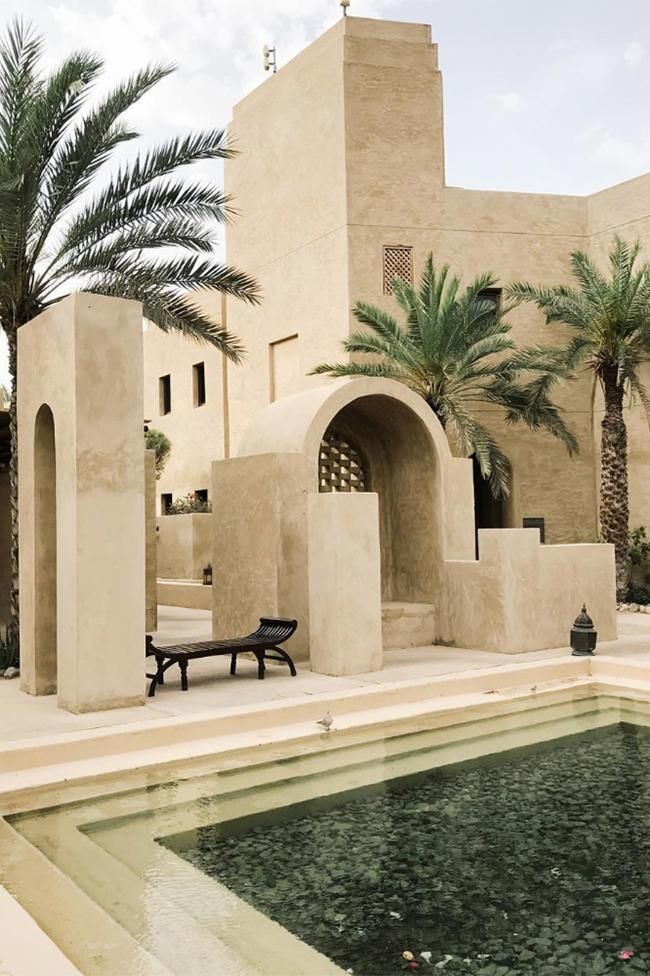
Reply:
x=207, y=575
x=583, y=635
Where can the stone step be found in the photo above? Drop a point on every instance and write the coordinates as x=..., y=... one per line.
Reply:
x=407, y=625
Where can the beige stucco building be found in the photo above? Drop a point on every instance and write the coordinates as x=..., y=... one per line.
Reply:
x=341, y=180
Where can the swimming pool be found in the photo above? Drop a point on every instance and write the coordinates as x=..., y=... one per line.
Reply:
x=347, y=851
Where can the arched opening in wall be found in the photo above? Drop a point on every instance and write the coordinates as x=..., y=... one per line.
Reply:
x=489, y=512
x=341, y=464
x=376, y=443
x=45, y=572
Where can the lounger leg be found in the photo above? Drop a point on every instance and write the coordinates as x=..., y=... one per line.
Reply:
x=233, y=664
x=285, y=657
x=261, y=667
x=183, y=666
x=158, y=678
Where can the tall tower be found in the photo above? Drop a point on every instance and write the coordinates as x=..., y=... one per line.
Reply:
x=338, y=151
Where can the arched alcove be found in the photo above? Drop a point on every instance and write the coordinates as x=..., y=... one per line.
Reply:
x=45, y=568
x=398, y=460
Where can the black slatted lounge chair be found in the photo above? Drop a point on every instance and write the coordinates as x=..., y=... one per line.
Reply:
x=271, y=632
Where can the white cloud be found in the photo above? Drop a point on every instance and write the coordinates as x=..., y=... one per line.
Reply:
x=217, y=47
x=633, y=53
x=510, y=101
x=627, y=157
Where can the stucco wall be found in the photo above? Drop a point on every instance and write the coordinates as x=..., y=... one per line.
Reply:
x=340, y=153
x=521, y=596
x=381, y=98
x=289, y=186
x=197, y=434
x=184, y=545
x=82, y=503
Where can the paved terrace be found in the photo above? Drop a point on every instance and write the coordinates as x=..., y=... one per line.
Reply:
x=213, y=691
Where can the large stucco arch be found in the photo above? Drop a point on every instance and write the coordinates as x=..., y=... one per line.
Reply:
x=296, y=425
x=422, y=498
x=284, y=548
x=81, y=503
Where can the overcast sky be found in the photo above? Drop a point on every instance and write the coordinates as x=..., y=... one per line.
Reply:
x=549, y=97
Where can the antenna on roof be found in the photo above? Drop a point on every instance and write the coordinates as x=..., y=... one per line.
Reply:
x=345, y=4
x=270, y=60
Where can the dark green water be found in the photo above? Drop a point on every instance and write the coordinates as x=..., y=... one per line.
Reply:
x=533, y=864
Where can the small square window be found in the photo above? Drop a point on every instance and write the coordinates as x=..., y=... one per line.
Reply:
x=492, y=295
x=398, y=263
x=165, y=503
x=535, y=523
x=198, y=384
x=201, y=495
x=165, y=394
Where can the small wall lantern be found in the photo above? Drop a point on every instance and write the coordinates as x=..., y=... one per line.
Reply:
x=583, y=635
x=207, y=575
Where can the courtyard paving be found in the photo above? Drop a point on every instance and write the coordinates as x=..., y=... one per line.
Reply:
x=213, y=691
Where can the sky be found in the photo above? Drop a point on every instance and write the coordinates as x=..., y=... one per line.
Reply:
x=548, y=97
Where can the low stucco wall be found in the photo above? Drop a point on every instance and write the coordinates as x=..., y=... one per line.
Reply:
x=522, y=596
x=184, y=593
x=184, y=545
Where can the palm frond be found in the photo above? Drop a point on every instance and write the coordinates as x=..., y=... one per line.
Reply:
x=378, y=370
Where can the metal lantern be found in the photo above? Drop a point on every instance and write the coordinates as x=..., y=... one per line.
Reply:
x=583, y=635
x=207, y=575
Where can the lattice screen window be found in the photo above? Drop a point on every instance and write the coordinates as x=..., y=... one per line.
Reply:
x=398, y=263
x=341, y=467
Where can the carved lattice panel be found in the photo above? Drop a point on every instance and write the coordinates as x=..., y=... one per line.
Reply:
x=341, y=466
x=398, y=263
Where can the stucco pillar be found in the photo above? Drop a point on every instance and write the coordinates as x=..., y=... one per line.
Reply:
x=260, y=544
x=151, y=542
x=344, y=583
x=82, y=512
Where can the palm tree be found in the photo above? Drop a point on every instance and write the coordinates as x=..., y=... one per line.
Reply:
x=144, y=233
x=455, y=350
x=610, y=316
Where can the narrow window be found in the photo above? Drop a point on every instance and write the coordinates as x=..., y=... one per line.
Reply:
x=201, y=497
x=398, y=263
x=198, y=384
x=165, y=503
x=492, y=295
x=165, y=394
x=535, y=523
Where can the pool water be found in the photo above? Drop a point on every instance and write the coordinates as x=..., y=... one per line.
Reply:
x=535, y=864
x=509, y=839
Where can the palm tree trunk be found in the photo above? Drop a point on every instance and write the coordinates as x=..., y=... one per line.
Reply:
x=14, y=619
x=614, y=503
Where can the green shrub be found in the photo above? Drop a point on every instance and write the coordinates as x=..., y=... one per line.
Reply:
x=8, y=651
x=637, y=594
x=190, y=503
x=160, y=444
x=638, y=547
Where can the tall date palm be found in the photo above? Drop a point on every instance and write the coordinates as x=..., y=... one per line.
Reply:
x=138, y=231
x=456, y=351
x=610, y=317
